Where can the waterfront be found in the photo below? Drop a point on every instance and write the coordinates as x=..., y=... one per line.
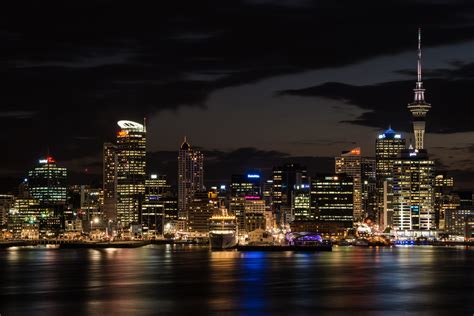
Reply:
x=166, y=279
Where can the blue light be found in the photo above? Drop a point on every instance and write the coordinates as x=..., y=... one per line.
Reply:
x=253, y=176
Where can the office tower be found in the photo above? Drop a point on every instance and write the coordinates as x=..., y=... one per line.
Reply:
x=369, y=190
x=388, y=146
x=190, y=176
x=413, y=191
x=90, y=206
x=460, y=220
x=200, y=210
x=285, y=179
x=350, y=163
x=332, y=199
x=109, y=175
x=153, y=207
x=419, y=107
x=131, y=168
x=443, y=197
x=248, y=184
x=6, y=202
x=47, y=185
x=24, y=216
x=47, y=182
x=254, y=215
x=302, y=203
x=243, y=187
x=267, y=192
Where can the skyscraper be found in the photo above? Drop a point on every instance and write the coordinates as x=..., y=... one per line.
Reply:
x=419, y=107
x=109, y=181
x=190, y=176
x=285, y=180
x=47, y=182
x=131, y=171
x=332, y=199
x=388, y=146
x=350, y=163
x=413, y=191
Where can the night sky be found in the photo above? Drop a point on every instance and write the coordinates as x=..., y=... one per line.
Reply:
x=253, y=83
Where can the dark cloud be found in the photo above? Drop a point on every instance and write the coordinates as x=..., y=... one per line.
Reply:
x=72, y=68
x=385, y=103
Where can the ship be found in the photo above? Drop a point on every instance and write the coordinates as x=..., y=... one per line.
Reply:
x=223, y=232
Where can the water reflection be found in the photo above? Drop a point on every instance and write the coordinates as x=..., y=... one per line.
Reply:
x=185, y=279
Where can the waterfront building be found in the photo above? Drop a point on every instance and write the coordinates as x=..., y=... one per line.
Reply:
x=153, y=214
x=413, y=191
x=350, y=163
x=332, y=199
x=302, y=203
x=131, y=171
x=190, y=177
x=109, y=180
x=369, y=188
x=6, y=202
x=254, y=214
x=443, y=198
x=47, y=183
x=201, y=208
x=243, y=187
x=388, y=146
x=285, y=179
x=24, y=213
x=460, y=220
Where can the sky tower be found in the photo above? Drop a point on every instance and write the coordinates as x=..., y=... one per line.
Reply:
x=419, y=107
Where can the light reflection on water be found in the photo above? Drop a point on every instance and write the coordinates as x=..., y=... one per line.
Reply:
x=185, y=279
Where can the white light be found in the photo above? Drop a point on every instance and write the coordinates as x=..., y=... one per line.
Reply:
x=398, y=136
x=154, y=176
x=43, y=161
x=129, y=125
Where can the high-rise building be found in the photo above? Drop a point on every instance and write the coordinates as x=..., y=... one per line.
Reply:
x=254, y=215
x=413, y=191
x=131, y=171
x=190, y=176
x=388, y=146
x=419, y=107
x=350, y=163
x=25, y=213
x=332, y=199
x=443, y=198
x=6, y=202
x=153, y=215
x=201, y=208
x=285, y=180
x=243, y=187
x=47, y=183
x=369, y=188
x=460, y=220
x=109, y=175
x=302, y=203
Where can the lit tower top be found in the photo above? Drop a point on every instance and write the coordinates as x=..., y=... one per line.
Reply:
x=419, y=107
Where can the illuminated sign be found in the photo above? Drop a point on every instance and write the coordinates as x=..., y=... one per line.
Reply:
x=253, y=176
x=398, y=136
x=252, y=197
x=122, y=133
x=154, y=176
x=129, y=125
x=355, y=151
x=381, y=136
x=222, y=187
x=43, y=161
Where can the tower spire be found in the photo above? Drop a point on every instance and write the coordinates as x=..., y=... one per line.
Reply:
x=419, y=107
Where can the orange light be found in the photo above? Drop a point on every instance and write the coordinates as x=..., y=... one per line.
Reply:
x=355, y=151
x=122, y=133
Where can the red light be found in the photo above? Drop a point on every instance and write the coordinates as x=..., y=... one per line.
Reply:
x=50, y=159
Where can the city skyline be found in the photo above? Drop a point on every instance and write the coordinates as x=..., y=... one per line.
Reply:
x=337, y=90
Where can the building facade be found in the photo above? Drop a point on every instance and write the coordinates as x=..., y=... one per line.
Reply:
x=131, y=171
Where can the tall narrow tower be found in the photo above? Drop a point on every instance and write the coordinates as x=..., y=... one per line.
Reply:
x=419, y=107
